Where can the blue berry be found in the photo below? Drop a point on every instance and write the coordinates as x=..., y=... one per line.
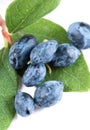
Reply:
x=24, y=104
x=49, y=93
x=65, y=55
x=34, y=74
x=79, y=34
x=20, y=51
x=43, y=52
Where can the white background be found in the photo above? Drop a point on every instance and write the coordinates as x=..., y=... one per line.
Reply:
x=73, y=111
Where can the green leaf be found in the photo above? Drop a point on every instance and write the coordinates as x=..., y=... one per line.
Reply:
x=43, y=29
x=8, y=88
x=75, y=77
x=21, y=13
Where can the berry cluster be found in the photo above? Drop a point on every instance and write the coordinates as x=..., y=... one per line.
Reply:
x=28, y=51
x=46, y=95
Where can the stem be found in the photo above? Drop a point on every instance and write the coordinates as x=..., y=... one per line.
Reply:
x=4, y=31
x=45, y=40
x=49, y=68
x=7, y=36
x=5, y=43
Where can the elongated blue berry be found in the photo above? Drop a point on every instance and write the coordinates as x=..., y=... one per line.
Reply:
x=65, y=55
x=34, y=74
x=24, y=104
x=20, y=51
x=79, y=34
x=49, y=93
x=43, y=52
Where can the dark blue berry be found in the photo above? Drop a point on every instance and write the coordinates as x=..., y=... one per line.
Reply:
x=34, y=74
x=79, y=34
x=24, y=104
x=43, y=52
x=20, y=51
x=49, y=93
x=65, y=55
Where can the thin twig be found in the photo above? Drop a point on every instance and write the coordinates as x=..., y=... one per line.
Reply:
x=5, y=33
